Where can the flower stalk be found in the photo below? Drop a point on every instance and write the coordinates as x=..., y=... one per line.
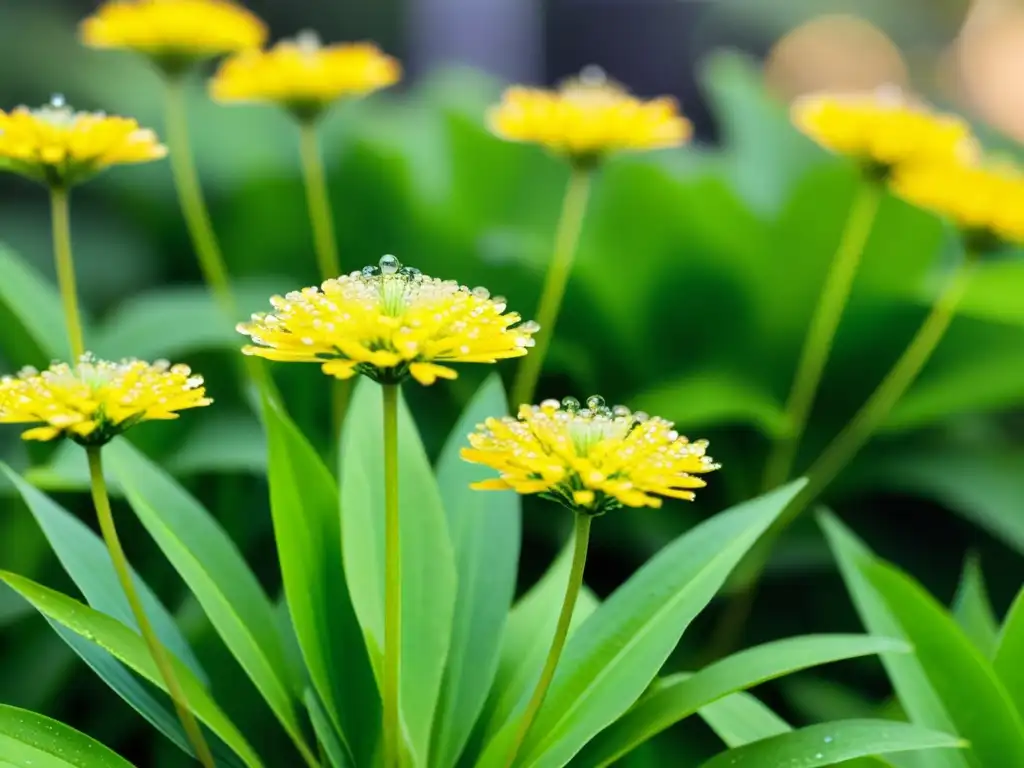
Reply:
x=581, y=540
x=66, y=268
x=567, y=236
x=392, y=583
x=161, y=658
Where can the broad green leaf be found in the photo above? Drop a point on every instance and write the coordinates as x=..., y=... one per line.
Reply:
x=304, y=505
x=216, y=573
x=1009, y=657
x=28, y=740
x=35, y=304
x=66, y=471
x=427, y=560
x=222, y=442
x=920, y=701
x=673, y=702
x=740, y=718
x=527, y=637
x=973, y=610
x=615, y=656
x=128, y=647
x=832, y=743
x=978, y=703
x=337, y=755
x=485, y=529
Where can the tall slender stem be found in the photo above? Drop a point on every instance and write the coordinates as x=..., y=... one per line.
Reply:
x=818, y=343
x=160, y=655
x=392, y=583
x=581, y=538
x=66, y=269
x=845, y=446
x=567, y=236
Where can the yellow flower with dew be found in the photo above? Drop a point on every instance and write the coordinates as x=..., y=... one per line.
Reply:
x=95, y=400
x=388, y=322
x=304, y=76
x=174, y=33
x=985, y=200
x=588, y=117
x=590, y=459
x=56, y=145
x=883, y=128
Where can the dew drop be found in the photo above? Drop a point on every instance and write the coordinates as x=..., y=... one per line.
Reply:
x=604, y=412
x=308, y=41
x=370, y=271
x=828, y=739
x=552, y=403
x=818, y=755
x=593, y=75
x=640, y=417
x=595, y=402
x=621, y=411
x=530, y=326
x=570, y=404
x=481, y=293
x=389, y=265
x=57, y=101
x=585, y=413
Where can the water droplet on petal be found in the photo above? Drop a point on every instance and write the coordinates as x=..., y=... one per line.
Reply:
x=593, y=75
x=389, y=265
x=603, y=411
x=570, y=404
x=640, y=417
x=308, y=41
x=481, y=293
x=552, y=403
x=585, y=413
x=595, y=402
x=530, y=326
x=370, y=271
x=57, y=101
x=621, y=411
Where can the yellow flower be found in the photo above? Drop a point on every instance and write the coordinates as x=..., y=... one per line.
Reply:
x=388, y=322
x=304, y=76
x=174, y=32
x=985, y=200
x=588, y=117
x=96, y=400
x=592, y=459
x=883, y=128
x=59, y=146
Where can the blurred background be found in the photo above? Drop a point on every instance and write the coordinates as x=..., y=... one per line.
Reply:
x=694, y=283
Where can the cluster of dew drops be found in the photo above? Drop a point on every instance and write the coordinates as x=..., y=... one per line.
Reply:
x=595, y=410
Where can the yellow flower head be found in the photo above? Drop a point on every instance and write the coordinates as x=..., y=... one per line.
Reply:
x=56, y=145
x=388, y=322
x=590, y=459
x=883, y=128
x=96, y=400
x=304, y=76
x=174, y=32
x=588, y=117
x=985, y=200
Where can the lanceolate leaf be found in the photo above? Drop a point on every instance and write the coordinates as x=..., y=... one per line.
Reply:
x=304, y=505
x=672, y=702
x=35, y=303
x=215, y=571
x=833, y=743
x=1009, y=658
x=128, y=646
x=485, y=528
x=28, y=740
x=616, y=655
x=427, y=560
x=739, y=718
x=972, y=609
x=336, y=753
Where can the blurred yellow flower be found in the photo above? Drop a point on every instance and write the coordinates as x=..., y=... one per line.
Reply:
x=304, y=76
x=589, y=459
x=96, y=400
x=883, y=128
x=59, y=146
x=174, y=31
x=388, y=322
x=985, y=200
x=588, y=117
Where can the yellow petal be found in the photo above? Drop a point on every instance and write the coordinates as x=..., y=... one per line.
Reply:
x=583, y=498
x=340, y=369
x=427, y=373
x=40, y=433
x=491, y=484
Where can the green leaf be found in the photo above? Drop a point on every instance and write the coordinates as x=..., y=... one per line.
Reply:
x=973, y=610
x=35, y=304
x=128, y=646
x=832, y=743
x=28, y=740
x=485, y=529
x=963, y=679
x=337, y=754
x=527, y=637
x=908, y=678
x=611, y=662
x=740, y=718
x=673, y=702
x=222, y=442
x=216, y=573
x=427, y=564
x=1009, y=656
x=304, y=506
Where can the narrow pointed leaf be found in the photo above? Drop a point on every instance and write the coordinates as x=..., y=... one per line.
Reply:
x=128, y=647
x=35, y=304
x=485, y=528
x=972, y=608
x=672, y=702
x=1009, y=657
x=740, y=718
x=337, y=754
x=28, y=740
x=834, y=743
x=304, y=506
x=427, y=559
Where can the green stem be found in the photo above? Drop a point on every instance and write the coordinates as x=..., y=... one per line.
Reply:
x=844, y=447
x=66, y=270
x=160, y=655
x=818, y=343
x=392, y=583
x=318, y=201
x=567, y=236
x=572, y=591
